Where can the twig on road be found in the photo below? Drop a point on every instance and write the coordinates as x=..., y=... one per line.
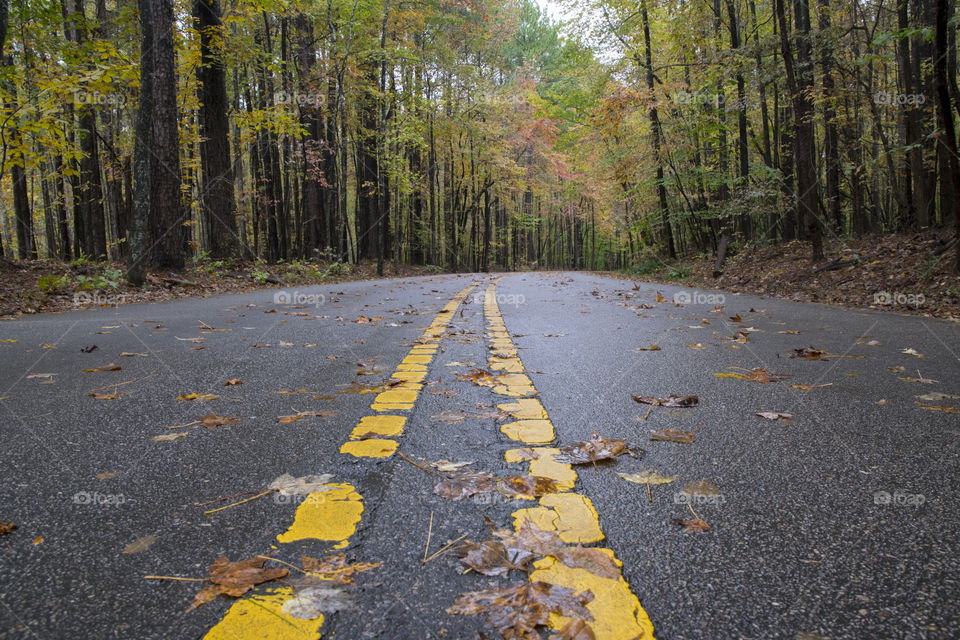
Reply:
x=447, y=546
x=429, y=534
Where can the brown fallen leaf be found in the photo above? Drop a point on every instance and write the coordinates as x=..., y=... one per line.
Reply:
x=775, y=415
x=335, y=567
x=235, y=578
x=461, y=486
x=759, y=374
x=450, y=417
x=648, y=477
x=652, y=347
x=107, y=475
x=897, y=369
x=808, y=353
x=7, y=528
x=669, y=401
x=526, y=486
x=946, y=408
x=516, y=611
x=126, y=354
x=691, y=526
x=480, y=377
x=306, y=414
x=736, y=318
x=212, y=420
x=140, y=544
x=38, y=540
x=595, y=450
x=808, y=387
x=492, y=558
x=672, y=435
x=232, y=383
x=167, y=437
x=106, y=367
x=576, y=629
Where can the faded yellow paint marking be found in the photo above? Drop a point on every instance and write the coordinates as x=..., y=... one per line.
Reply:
x=387, y=426
x=396, y=395
x=617, y=614
x=326, y=515
x=525, y=409
x=370, y=448
x=258, y=617
x=412, y=367
x=417, y=359
x=529, y=431
x=513, y=365
x=544, y=465
x=571, y=515
x=410, y=376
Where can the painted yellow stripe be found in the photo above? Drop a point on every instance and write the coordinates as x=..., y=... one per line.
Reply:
x=616, y=610
x=330, y=516
x=411, y=370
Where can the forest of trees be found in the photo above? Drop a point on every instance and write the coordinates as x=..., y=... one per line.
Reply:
x=470, y=134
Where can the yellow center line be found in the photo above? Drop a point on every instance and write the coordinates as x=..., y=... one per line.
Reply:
x=372, y=437
x=616, y=610
x=333, y=515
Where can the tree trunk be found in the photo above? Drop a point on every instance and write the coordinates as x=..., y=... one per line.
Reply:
x=216, y=193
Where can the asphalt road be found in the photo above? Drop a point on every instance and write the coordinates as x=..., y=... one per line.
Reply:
x=841, y=523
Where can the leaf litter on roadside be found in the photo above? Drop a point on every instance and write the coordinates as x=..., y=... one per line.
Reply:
x=776, y=415
x=674, y=435
x=595, y=450
x=305, y=414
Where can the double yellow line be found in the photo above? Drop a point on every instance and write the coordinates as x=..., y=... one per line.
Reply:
x=333, y=515
x=616, y=610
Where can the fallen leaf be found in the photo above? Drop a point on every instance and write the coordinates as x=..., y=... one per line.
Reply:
x=212, y=420
x=235, y=578
x=335, y=567
x=701, y=488
x=759, y=374
x=38, y=540
x=736, y=318
x=946, y=408
x=107, y=475
x=594, y=450
x=140, y=544
x=517, y=611
x=808, y=387
x=660, y=297
x=936, y=396
x=698, y=345
x=691, y=526
x=232, y=383
x=672, y=435
x=89, y=349
x=897, y=369
x=480, y=377
x=106, y=396
x=7, y=528
x=312, y=602
x=106, y=367
x=808, y=353
x=199, y=397
x=650, y=476
x=127, y=354
x=775, y=415
x=576, y=629
x=450, y=417
x=447, y=466
x=652, y=347
x=464, y=485
x=913, y=352
x=669, y=401
x=306, y=414
x=170, y=436
x=287, y=485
